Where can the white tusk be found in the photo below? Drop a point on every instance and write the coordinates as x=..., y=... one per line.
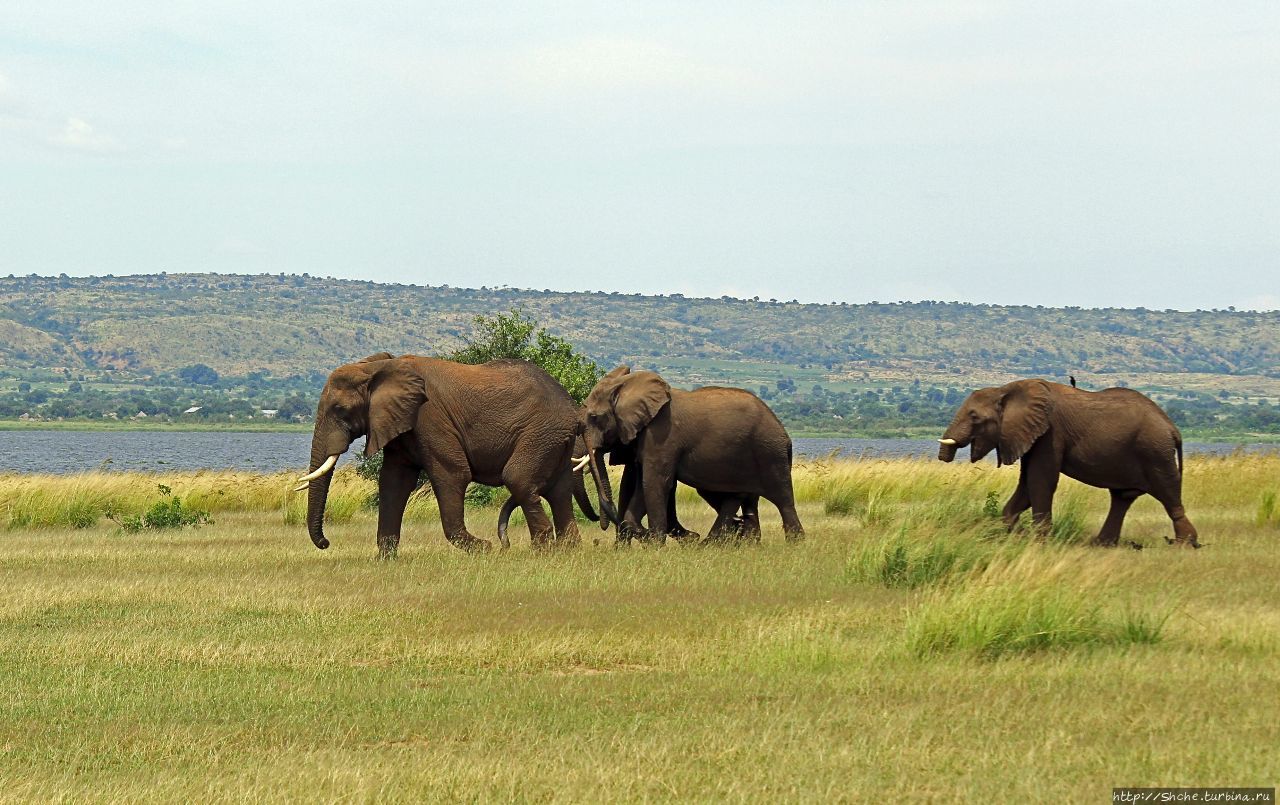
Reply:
x=321, y=470
x=302, y=487
x=947, y=442
x=581, y=462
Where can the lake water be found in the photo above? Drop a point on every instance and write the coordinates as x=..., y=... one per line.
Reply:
x=64, y=452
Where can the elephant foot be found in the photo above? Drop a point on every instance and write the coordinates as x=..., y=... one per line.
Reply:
x=1104, y=542
x=1184, y=542
x=471, y=544
x=648, y=537
x=684, y=535
x=1137, y=546
x=388, y=547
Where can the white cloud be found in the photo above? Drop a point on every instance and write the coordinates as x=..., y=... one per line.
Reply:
x=78, y=135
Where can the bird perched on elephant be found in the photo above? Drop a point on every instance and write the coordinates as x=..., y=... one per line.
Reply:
x=1116, y=439
x=503, y=423
x=718, y=440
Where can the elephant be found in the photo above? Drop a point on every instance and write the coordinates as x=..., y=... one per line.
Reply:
x=579, y=494
x=1115, y=439
x=724, y=442
x=727, y=527
x=506, y=422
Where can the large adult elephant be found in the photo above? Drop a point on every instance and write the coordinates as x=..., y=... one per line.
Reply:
x=1116, y=439
x=503, y=423
x=721, y=441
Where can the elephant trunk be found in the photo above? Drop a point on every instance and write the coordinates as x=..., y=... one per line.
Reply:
x=323, y=444
x=580, y=495
x=601, y=477
x=956, y=437
x=946, y=450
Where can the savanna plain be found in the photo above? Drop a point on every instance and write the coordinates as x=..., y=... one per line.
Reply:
x=908, y=648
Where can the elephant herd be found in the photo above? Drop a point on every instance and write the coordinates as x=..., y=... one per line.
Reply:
x=509, y=423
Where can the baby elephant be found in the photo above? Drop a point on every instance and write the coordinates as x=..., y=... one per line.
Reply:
x=1116, y=439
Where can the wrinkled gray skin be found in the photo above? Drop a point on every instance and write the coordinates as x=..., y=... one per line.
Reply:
x=1116, y=439
x=727, y=527
x=717, y=440
x=579, y=494
x=504, y=423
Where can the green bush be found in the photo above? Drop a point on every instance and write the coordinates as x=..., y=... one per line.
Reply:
x=478, y=496
x=166, y=513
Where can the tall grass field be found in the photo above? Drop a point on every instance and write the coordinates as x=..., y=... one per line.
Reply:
x=908, y=649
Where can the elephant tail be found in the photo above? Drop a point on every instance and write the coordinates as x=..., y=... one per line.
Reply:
x=503, y=517
x=1179, y=444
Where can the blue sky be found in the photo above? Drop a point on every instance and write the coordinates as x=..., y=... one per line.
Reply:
x=1096, y=154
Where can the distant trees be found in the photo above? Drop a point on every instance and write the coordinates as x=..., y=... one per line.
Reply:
x=199, y=374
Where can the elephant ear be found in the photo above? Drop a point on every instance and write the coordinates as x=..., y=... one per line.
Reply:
x=637, y=400
x=617, y=373
x=1024, y=418
x=377, y=356
x=396, y=392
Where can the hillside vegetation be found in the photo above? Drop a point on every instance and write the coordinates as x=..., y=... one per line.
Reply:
x=95, y=347
x=293, y=324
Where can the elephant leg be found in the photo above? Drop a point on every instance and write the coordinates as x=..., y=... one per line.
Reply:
x=560, y=496
x=1121, y=500
x=1184, y=533
x=540, y=528
x=751, y=518
x=451, y=491
x=1042, y=483
x=657, y=485
x=1018, y=502
x=723, y=529
x=396, y=482
x=630, y=505
x=783, y=497
x=677, y=530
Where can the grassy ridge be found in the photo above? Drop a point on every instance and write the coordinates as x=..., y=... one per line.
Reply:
x=292, y=324
x=907, y=648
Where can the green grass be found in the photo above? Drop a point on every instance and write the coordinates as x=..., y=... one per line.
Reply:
x=919, y=653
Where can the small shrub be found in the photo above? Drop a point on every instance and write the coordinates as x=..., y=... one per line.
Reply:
x=479, y=496
x=166, y=513
x=991, y=506
x=368, y=467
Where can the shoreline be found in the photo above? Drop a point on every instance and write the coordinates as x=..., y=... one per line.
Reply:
x=918, y=433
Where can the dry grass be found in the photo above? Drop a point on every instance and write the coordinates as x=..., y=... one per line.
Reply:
x=908, y=648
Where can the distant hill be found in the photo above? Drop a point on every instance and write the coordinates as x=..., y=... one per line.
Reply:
x=294, y=325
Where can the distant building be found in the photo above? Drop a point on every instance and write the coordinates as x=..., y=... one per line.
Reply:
x=140, y=415
x=193, y=409
x=270, y=413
